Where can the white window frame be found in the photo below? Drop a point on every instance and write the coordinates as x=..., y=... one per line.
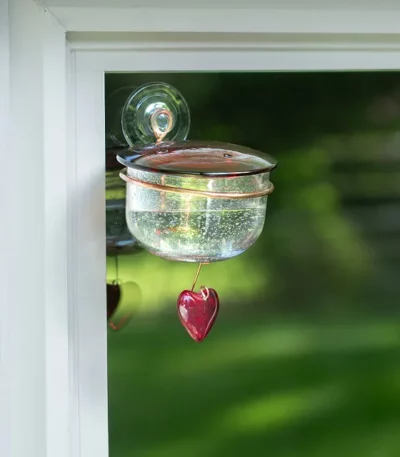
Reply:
x=53, y=335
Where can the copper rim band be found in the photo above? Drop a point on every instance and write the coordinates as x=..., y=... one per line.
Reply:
x=202, y=193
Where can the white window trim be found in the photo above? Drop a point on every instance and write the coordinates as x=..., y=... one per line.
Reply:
x=34, y=340
x=53, y=340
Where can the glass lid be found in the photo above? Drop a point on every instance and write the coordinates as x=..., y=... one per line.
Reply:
x=197, y=158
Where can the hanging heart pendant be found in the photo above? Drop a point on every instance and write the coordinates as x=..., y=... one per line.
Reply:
x=197, y=311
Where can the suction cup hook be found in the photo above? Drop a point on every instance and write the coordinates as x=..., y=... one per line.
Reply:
x=154, y=109
x=162, y=122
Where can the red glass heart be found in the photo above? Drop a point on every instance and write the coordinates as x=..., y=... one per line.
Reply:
x=197, y=311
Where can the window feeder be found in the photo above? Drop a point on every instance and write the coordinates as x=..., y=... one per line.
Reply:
x=188, y=201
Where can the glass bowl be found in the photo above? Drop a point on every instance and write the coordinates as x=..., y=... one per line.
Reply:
x=194, y=201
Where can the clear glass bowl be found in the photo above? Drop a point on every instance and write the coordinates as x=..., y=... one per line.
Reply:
x=194, y=201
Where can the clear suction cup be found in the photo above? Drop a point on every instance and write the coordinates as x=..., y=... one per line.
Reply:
x=133, y=114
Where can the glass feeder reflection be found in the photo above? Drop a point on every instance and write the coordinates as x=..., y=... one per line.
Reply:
x=123, y=297
x=123, y=301
x=119, y=240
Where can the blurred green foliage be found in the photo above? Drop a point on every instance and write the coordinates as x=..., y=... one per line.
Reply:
x=303, y=359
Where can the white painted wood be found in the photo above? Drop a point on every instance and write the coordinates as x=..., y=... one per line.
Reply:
x=72, y=267
x=34, y=324
x=220, y=20
x=88, y=263
x=240, y=60
x=244, y=41
x=6, y=350
x=54, y=81
x=210, y=4
x=26, y=241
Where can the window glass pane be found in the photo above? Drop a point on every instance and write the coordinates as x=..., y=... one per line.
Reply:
x=303, y=359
